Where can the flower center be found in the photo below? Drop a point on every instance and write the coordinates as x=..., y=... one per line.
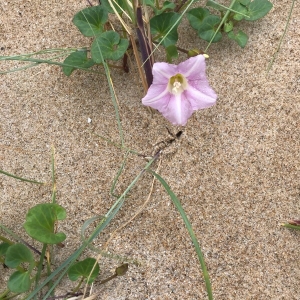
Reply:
x=177, y=84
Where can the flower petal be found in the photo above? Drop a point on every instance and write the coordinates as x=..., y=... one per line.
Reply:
x=200, y=99
x=162, y=72
x=193, y=68
x=157, y=96
x=178, y=110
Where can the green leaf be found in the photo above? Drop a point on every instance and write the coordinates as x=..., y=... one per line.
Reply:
x=3, y=248
x=196, y=16
x=241, y=38
x=160, y=26
x=83, y=269
x=151, y=4
x=205, y=23
x=119, y=6
x=19, y=282
x=108, y=45
x=17, y=254
x=77, y=59
x=90, y=21
x=40, y=221
x=208, y=28
x=167, y=5
x=172, y=53
x=241, y=9
x=245, y=2
x=258, y=9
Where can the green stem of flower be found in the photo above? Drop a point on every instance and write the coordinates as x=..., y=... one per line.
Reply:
x=76, y=289
x=108, y=279
x=182, y=50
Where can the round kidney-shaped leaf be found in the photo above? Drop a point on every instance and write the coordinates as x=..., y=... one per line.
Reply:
x=17, y=254
x=40, y=221
x=77, y=59
x=90, y=21
x=172, y=53
x=258, y=9
x=209, y=27
x=241, y=38
x=241, y=11
x=83, y=269
x=19, y=282
x=119, y=5
x=108, y=45
x=196, y=16
x=3, y=248
x=160, y=26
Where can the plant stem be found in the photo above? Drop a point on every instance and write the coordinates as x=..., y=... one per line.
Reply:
x=182, y=50
x=108, y=279
x=40, y=265
x=3, y=295
x=76, y=289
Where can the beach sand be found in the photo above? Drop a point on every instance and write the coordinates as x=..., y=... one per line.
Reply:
x=235, y=168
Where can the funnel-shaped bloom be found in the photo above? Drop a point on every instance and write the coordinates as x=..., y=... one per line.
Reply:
x=178, y=91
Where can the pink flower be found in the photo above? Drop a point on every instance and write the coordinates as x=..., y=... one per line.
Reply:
x=178, y=91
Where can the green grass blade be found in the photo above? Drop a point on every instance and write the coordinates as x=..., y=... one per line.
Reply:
x=17, y=238
x=11, y=233
x=282, y=37
x=45, y=51
x=111, y=89
x=40, y=265
x=220, y=25
x=20, y=178
x=64, y=53
x=53, y=197
x=188, y=225
x=290, y=226
x=112, y=189
x=19, y=69
x=38, y=61
x=229, y=8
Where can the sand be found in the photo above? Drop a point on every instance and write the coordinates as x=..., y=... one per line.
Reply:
x=235, y=169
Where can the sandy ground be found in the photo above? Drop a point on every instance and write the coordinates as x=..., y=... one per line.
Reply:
x=236, y=168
